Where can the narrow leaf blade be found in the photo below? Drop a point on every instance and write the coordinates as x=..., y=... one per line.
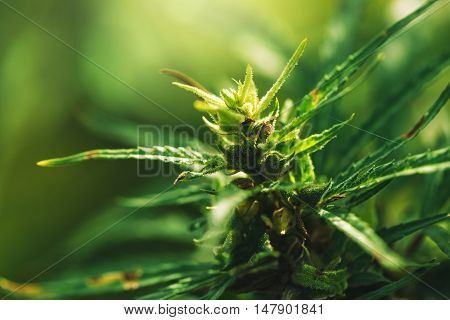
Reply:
x=361, y=233
x=265, y=101
x=316, y=142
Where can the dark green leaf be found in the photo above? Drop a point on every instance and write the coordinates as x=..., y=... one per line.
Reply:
x=367, y=278
x=400, y=231
x=332, y=281
x=105, y=283
x=441, y=237
x=217, y=291
x=178, y=196
x=393, y=287
x=361, y=233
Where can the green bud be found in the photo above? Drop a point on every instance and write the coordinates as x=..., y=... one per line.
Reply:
x=245, y=157
x=264, y=131
x=273, y=166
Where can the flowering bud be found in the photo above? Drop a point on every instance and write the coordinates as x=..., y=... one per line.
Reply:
x=244, y=157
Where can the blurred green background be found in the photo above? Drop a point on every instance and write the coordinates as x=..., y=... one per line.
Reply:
x=51, y=96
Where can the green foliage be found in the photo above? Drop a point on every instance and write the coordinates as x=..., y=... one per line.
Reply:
x=367, y=278
x=184, y=157
x=189, y=194
x=180, y=156
x=364, y=167
x=266, y=218
x=371, y=176
x=317, y=142
x=400, y=231
x=400, y=99
x=361, y=232
x=107, y=283
x=392, y=287
x=325, y=283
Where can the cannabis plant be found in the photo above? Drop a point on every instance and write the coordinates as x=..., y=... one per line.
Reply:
x=273, y=228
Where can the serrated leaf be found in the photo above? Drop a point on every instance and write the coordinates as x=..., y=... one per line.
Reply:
x=306, y=167
x=106, y=283
x=208, y=169
x=207, y=96
x=265, y=101
x=400, y=231
x=393, y=145
x=180, y=156
x=366, y=278
x=361, y=233
x=331, y=281
x=423, y=163
x=316, y=142
x=363, y=196
x=203, y=106
x=316, y=101
x=332, y=85
x=360, y=57
x=245, y=91
x=394, y=104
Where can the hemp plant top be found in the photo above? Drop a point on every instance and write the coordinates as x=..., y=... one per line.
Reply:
x=271, y=226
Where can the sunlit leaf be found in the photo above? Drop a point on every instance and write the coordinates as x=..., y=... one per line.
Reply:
x=424, y=163
x=207, y=96
x=316, y=142
x=180, y=156
x=265, y=101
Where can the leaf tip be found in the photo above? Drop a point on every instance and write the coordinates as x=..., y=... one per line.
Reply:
x=44, y=163
x=178, y=84
x=164, y=71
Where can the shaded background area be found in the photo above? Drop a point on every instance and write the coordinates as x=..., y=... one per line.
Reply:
x=55, y=102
